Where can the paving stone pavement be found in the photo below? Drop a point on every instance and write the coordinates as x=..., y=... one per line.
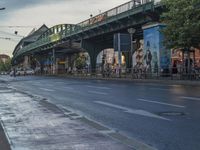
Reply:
x=30, y=124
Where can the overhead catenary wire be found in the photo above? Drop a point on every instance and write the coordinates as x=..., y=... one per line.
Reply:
x=5, y=38
x=17, y=26
x=11, y=34
x=9, y=39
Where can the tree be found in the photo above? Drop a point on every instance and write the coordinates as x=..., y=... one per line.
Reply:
x=182, y=18
x=2, y=66
x=8, y=65
x=80, y=62
x=5, y=66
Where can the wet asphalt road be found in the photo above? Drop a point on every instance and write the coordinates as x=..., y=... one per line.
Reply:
x=164, y=116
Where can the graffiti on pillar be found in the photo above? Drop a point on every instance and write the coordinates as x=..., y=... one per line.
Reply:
x=138, y=57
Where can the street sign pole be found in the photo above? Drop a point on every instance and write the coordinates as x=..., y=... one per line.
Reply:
x=119, y=53
x=131, y=31
x=54, y=62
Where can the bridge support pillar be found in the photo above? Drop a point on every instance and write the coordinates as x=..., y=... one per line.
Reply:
x=54, y=66
x=26, y=63
x=93, y=50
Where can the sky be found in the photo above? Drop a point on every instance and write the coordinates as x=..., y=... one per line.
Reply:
x=34, y=13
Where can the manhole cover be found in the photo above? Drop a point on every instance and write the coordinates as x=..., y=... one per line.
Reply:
x=172, y=114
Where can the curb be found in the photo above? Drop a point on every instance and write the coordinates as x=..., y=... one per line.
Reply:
x=156, y=81
x=6, y=134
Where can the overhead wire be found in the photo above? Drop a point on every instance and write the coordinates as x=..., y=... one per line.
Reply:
x=11, y=34
x=9, y=39
x=17, y=26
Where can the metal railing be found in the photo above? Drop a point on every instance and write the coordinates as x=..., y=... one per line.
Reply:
x=111, y=13
x=181, y=73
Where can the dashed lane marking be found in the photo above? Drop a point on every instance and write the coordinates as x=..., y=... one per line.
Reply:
x=160, y=89
x=161, y=103
x=191, y=98
x=96, y=92
x=67, y=88
x=99, y=87
x=59, y=82
x=48, y=90
x=132, y=111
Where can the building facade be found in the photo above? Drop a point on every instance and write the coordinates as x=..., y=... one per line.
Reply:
x=4, y=58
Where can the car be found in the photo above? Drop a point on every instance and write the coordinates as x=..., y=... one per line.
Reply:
x=3, y=73
x=29, y=72
x=20, y=72
x=12, y=73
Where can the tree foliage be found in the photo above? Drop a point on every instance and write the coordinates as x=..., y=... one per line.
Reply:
x=5, y=66
x=182, y=18
x=80, y=62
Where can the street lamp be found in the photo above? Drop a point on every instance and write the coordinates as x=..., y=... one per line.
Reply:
x=131, y=31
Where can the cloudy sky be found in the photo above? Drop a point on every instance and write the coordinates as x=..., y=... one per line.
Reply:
x=33, y=13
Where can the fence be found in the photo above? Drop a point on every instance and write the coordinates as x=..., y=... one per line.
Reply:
x=134, y=73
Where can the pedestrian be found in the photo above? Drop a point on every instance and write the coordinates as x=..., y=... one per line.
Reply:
x=14, y=72
x=179, y=67
x=117, y=70
x=174, y=69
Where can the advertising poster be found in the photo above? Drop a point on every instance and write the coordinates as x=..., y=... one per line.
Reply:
x=151, y=49
x=156, y=56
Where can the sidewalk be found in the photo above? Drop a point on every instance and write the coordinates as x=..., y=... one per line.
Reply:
x=4, y=145
x=33, y=123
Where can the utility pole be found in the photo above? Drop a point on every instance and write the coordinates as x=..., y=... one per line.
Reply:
x=131, y=31
x=54, y=62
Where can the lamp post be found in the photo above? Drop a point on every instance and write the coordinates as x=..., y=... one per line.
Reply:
x=131, y=31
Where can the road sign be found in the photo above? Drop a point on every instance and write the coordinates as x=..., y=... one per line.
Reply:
x=122, y=42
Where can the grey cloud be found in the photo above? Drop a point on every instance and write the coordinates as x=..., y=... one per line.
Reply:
x=18, y=4
x=15, y=5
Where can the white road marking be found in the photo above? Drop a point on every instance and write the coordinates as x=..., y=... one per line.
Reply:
x=37, y=84
x=49, y=84
x=161, y=103
x=132, y=111
x=59, y=82
x=99, y=87
x=161, y=89
x=191, y=98
x=49, y=90
x=96, y=92
x=68, y=88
